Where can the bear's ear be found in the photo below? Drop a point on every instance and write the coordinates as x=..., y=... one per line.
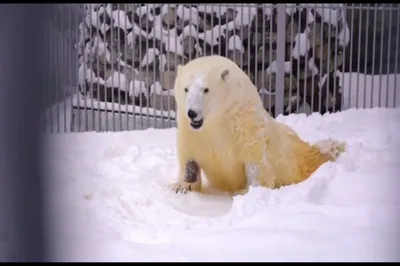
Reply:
x=224, y=74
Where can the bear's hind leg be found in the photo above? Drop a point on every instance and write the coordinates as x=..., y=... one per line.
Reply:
x=259, y=174
x=189, y=178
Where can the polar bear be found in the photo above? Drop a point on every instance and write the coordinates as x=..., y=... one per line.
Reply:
x=224, y=131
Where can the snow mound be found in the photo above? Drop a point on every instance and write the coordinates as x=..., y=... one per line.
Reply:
x=115, y=204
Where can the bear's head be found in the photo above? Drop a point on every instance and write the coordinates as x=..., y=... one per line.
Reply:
x=202, y=89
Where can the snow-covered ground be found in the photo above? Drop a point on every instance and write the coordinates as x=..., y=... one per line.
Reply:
x=109, y=199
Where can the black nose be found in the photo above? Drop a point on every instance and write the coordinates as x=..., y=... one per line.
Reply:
x=191, y=114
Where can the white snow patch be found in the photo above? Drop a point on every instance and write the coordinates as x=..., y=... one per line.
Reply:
x=162, y=60
x=235, y=43
x=266, y=91
x=188, y=30
x=268, y=10
x=330, y=15
x=344, y=36
x=121, y=20
x=87, y=74
x=136, y=87
x=173, y=45
x=188, y=14
x=273, y=68
x=108, y=199
x=158, y=30
x=302, y=45
x=156, y=88
x=290, y=8
x=310, y=17
x=245, y=15
x=119, y=80
x=312, y=66
x=145, y=10
x=218, y=10
x=212, y=36
x=149, y=57
x=137, y=31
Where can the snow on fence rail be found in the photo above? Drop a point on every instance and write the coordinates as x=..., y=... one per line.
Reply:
x=119, y=60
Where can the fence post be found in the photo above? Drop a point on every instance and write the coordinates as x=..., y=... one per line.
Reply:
x=23, y=68
x=280, y=58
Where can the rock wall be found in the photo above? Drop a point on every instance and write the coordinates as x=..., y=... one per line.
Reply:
x=129, y=52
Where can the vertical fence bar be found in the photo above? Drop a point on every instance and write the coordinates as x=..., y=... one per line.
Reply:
x=291, y=58
x=51, y=55
x=321, y=68
x=92, y=74
x=84, y=74
x=345, y=19
x=314, y=74
x=175, y=71
x=358, y=55
x=373, y=57
x=46, y=33
x=340, y=16
x=96, y=57
x=58, y=70
x=304, y=100
x=133, y=50
x=161, y=73
x=22, y=209
x=89, y=89
x=125, y=62
x=270, y=61
x=328, y=61
x=388, y=58
x=65, y=69
x=106, y=91
x=147, y=61
x=280, y=58
x=161, y=97
x=365, y=62
x=248, y=37
x=298, y=10
x=70, y=66
x=256, y=54
x=241, y=34
x=264, y=6
x=350, y=56
x=113, y=82
x=396, y=56
x=120, y=86
x=381, y=59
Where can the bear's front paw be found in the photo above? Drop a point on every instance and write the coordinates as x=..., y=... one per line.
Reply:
x=241, y=192
x=182, y=187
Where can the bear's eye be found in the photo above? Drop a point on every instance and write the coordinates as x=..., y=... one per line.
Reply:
x=206, y=90
x=186, y=89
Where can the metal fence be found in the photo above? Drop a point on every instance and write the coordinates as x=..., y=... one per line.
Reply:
x=114, y=64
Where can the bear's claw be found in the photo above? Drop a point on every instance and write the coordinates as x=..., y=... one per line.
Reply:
x=182, y=187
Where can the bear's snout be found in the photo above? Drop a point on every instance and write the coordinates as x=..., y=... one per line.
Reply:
x=191, y=114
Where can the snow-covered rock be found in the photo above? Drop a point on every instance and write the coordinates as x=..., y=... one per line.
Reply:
x=124, y=47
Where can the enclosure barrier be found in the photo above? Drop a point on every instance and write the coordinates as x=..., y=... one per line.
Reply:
x=115, y=64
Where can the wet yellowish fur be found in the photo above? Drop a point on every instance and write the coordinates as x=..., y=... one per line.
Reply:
x=239, y=131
